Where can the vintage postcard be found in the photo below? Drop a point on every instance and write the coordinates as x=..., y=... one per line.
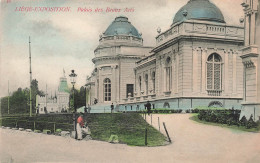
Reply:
x=129, y=81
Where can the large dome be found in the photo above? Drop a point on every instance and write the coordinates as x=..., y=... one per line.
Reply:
x=199, y=10
x=121, y=26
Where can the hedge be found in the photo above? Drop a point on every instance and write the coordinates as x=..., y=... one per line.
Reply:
x=229, y=117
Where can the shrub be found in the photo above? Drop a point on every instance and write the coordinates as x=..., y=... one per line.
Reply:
x=188, y=111
x=250, y=123
x=243, y=121
x=195, y=110
x=180, y=110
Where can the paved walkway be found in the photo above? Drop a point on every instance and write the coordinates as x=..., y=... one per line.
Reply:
x=192, y=142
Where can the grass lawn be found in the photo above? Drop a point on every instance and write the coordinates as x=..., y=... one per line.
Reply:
x=129, y=127
x=241, y=128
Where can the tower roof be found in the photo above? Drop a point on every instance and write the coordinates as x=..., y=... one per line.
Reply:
x=121, y=26
x=63, y=86
x=199, y=10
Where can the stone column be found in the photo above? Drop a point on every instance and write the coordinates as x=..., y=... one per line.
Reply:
x=113, y=84
x=252, y=30
x=203, y=70
x=195, y=70
x=247, y=37
x=226, y=74
x=177, y=73
x=173, y=74
x=100, y=85
x=234, y=74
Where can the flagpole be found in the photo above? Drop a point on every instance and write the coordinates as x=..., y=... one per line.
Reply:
x=8, y=99
x=30, y=59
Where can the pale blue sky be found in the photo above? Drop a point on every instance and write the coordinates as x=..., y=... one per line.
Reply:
x=67, y=40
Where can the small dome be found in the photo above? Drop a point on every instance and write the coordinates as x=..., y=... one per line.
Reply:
x=121, y=26
x=199, y=10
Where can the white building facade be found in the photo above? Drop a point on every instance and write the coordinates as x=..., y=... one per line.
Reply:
x=251, y=59
x=55, y=104
x=196, y=62
x=113, y=78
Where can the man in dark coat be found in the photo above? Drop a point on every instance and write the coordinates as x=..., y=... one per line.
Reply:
x=148, y=107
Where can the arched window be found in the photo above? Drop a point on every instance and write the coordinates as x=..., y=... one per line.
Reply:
x=168, y=73
x=166, y=105
x=214, y=72
x=153, y=79
x=107, y=89
x=215, y=104
x=146, y=84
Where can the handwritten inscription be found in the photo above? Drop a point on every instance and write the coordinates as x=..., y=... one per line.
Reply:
x=42, y=9
x=107, y=9
x=69, y=9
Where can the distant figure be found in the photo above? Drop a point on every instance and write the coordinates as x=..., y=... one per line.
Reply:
x=112, y=107
x=148, y=107
x=85, y=109
x=81, y=128
x=89, y=108
x=95, y=101
x=45, y=110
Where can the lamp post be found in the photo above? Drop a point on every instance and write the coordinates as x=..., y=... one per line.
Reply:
x=73, y=78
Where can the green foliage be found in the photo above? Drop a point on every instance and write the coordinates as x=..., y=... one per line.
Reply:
x=79, y=98
x=195, y=110
x=188, y=111
x=19, y=100
x=251, y=123
x=229, y=117
x=236, y=127
x=166, y=111
x=209, y=108
x=243, y=121
x=129, y=128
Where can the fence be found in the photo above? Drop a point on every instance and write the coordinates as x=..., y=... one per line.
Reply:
x=129, y=127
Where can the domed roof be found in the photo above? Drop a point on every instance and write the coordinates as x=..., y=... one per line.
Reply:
x=121, y=26
x=199, y=10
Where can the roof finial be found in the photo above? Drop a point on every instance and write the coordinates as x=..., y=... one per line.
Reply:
x=63, y=73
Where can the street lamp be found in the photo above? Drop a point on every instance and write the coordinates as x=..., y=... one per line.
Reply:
x=73, y=78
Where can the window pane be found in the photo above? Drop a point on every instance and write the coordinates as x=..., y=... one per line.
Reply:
x=209, y=75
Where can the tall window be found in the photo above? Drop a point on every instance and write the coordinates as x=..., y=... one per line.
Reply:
x=107, y=89
x=146, y=84
x=129, y=90
x=214, y=71
x=153, y=79
x=140, y=83
x=168, y=73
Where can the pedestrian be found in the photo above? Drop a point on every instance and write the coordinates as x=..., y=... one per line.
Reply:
x=148, y=107
x=81, y=128
x=112, y=107
x=89, y=108
x=85, y=109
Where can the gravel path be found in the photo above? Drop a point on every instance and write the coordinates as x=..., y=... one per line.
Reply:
x=192, y=142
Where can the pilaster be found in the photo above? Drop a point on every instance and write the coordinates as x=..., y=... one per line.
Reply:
x=203, y=70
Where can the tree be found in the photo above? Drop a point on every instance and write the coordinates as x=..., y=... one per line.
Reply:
x=79, y=98
x=19, y=101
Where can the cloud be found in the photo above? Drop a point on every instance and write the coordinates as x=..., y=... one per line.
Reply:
x=44, y=27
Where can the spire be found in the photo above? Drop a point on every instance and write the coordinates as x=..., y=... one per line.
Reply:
x=63, y=73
